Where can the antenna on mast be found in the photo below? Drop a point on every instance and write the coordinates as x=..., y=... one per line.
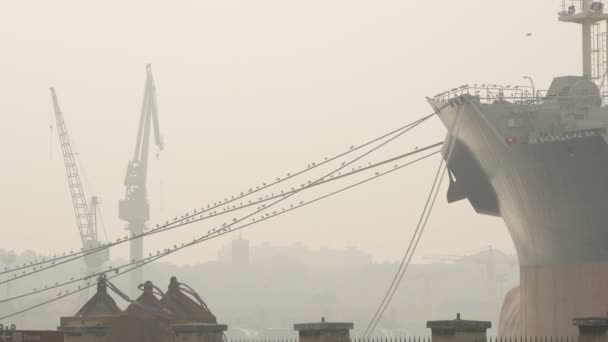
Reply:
x=587, y=13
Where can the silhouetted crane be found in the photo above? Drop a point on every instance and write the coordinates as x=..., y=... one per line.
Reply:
x=135, y=208
x=86, y=212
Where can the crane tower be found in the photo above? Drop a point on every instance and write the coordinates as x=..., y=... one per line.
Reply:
x=86, y=212
x=135, y=208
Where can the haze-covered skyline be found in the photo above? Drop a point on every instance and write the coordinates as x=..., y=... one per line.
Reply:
x=252, y=288
x=249, y=91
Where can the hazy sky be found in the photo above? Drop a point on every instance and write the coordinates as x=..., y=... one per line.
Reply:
x=248, y=91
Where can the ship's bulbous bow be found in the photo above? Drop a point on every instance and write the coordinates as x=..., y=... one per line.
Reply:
x=510, y=314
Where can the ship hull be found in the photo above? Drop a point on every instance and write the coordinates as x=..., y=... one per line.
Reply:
x=553, y=199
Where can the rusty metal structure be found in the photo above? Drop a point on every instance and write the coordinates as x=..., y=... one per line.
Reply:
x=101, y=304
x=186, y=305
x=178, y=315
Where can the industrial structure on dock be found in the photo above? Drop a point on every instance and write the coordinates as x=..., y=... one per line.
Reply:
x=180, y=314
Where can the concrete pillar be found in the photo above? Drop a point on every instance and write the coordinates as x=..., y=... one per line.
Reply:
x=458, y=330
x=199, y=332
x=324, y=331
x=592, y=329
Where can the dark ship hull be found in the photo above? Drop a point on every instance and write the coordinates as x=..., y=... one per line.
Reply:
x=553, y=198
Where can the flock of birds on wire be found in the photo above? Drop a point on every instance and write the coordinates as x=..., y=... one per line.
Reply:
x=218, y=208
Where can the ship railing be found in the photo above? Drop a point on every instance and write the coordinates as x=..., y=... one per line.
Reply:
x=604, y=96
x=574, y=7
x=287, y=337
x=571, y=7
x=489, y=94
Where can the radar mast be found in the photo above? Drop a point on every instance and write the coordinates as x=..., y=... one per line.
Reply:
x=588, y=13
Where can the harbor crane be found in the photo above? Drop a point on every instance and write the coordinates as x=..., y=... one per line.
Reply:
x=86, y=212
x=135, y=208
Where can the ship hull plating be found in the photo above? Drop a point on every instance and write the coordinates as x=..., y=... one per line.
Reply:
x=553, y=199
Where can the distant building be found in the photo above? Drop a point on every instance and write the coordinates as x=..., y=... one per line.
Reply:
x=240, y=253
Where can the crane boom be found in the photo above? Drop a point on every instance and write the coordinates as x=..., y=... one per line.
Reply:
x=86, y=215
x=135, y=208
